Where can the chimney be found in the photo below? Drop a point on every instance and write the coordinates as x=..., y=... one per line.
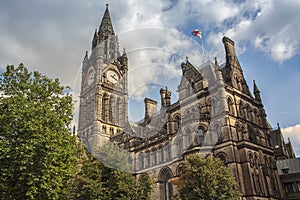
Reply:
x=150, y=107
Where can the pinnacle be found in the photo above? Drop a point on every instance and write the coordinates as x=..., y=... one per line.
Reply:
x=106, y=27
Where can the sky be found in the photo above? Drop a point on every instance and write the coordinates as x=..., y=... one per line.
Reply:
x=51, y=36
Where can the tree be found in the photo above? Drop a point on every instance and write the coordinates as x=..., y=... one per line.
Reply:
x=37, y=152
x=88, y=183
x=206, y=178
x=98, y=181
x=114, y=157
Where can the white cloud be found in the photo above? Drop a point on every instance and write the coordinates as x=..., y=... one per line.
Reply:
x=293, y=132
x=274, y=29
x=52, y=36
x=156, y=58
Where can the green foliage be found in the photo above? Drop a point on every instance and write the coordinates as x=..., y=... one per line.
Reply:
x=207, y=179
x=97, y=181
x=144, y=187
x=88, y=182
x=37, y=153
x=114, y=157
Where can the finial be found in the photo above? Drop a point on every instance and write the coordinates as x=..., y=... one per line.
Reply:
x=256, y=90
x=216, y=63
x=86, y=55
x=278, y=126
x=124, y=50
x=187, y=58
x=107, y=5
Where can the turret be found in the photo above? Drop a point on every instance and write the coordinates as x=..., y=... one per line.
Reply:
x=165, y=97
x=124, y=60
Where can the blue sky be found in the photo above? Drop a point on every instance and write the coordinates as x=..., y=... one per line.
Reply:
x=52, y=36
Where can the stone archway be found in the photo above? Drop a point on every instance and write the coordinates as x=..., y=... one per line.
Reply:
x=166, y=188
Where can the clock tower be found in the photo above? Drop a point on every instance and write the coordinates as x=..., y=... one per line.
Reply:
x=103, y=108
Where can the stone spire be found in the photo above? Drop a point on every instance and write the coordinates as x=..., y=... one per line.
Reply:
x=231, y=58
x=256, y=92
x=232, y=72
x=95, y=40
x=124, y=58
x=106, y=28
x=217, y=64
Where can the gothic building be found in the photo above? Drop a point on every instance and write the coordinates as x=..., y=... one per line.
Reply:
x=216, y=114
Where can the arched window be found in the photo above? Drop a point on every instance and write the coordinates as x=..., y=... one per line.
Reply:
x=176, y=120
x=179, y=147
x=117, y=117
x=253, y=183
x=169, y=151
x=237, y=82
x=105, y=102
x=111, y=131
x=166, y=188
x=112, y=108
x=189, y=137
x=238, y=132
x=154, y=156
x=241, y=109
x=230, y=106
x=244, y=133
x=162, y=157
x=250, y=158
x=246, y=109
x=255, y=116
x=256, y=161
x=248, y=113
x=104, y=129
x=213, y=106
x=147, y=159
x=141, y=161
x=259, y=119
x=200, y=135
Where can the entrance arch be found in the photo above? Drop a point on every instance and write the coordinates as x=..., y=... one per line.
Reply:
x=166, y=188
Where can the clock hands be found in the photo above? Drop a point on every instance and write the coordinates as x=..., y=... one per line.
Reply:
x=114, y=77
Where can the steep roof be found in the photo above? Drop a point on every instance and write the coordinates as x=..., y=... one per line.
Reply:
x=106, y=27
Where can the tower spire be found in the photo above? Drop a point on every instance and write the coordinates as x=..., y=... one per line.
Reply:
x=106, y=28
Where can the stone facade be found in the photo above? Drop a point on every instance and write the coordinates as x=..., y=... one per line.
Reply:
x=289, y=172
x=216, y=114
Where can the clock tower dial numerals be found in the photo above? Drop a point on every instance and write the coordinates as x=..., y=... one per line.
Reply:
x=112, y=76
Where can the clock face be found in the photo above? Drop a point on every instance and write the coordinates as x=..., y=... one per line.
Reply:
x=112, y=76
x=90, y=78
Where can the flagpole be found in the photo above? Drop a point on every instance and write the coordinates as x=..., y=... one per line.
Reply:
x=197, y=33
x=202, y=49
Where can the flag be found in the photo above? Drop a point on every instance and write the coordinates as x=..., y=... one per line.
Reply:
x=197, y=33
